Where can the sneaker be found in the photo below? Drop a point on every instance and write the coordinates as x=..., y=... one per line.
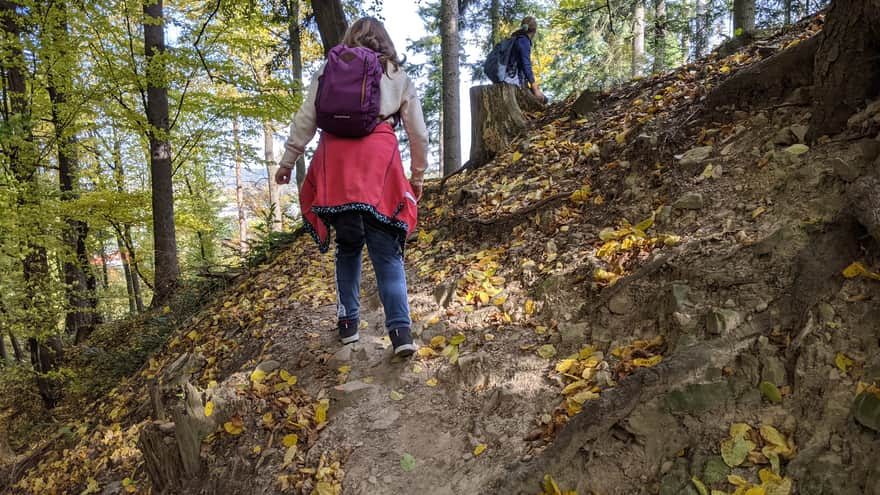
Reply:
x=401, y=340
x=348, y=331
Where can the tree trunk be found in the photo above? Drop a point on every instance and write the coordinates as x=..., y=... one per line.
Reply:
x=4, y=353
x=638, y=40
x=296, y=70
x=330, y=17
x=787, y=7
x=164, y=241
x=271, y=168
x=16, y=347
x=105, y=273
x=23, y=157
x=495, y=20
x=743, y=17
x=847, y=65
x=239, y=190
x=701, y=31
x=80, y=319
x=496, y=119
x=126, y=270
x=659, y=36
x=135, y=270
x=449, y=42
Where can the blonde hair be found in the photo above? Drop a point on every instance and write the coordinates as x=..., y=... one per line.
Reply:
x=370, y=33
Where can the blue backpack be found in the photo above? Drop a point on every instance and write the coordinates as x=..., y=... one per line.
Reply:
x=497, y=65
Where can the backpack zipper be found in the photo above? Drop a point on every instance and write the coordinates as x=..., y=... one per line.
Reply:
x=364, y=83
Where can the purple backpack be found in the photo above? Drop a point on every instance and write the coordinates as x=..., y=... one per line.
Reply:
x=348, y=99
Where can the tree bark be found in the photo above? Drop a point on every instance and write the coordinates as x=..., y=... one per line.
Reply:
x=638, y=40
x=271, y=168
x=847, y=65
x=126, y=270
x=82, y=311
x=135, y=270
x=105, y=274
x=164, y=239
x=330, y=17
x=4, y=353
x=449, y=43
x=496, y=119
x=787, y=7
x=296, y=70
x=17, y=352
x=659, y=36
x=701, y=31
x=239, y=191
x=743, y=17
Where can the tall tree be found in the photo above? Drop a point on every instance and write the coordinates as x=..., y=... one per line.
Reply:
x=660, y=24
x=330, y=17
x=743, y=17
x=164, y=237
x=449, y=46
x=701, y=29
x=638, y=39
x=239, y=189
x=79, y=278
x=296, y=69
x=271, y=168
x=44, y=345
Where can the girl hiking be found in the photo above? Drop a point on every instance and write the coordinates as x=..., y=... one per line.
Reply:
x=522, y=57
x=357, y=184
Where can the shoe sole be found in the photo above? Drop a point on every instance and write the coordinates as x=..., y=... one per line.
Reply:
x=350, y=339
x=405, y=350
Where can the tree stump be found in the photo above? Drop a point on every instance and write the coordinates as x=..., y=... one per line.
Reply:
x=496, y=119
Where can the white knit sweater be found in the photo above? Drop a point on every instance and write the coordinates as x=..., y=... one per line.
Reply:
x=397, y=93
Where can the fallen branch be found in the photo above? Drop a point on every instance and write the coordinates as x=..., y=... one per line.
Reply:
x=521, y=212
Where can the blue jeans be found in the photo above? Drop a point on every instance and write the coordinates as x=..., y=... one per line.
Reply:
x=353, y=230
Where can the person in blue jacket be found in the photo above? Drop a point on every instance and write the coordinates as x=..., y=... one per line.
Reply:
x=521, y=58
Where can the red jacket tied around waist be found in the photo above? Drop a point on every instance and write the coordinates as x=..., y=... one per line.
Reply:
x=361, y=174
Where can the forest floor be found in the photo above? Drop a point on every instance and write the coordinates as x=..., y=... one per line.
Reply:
x=651, y=298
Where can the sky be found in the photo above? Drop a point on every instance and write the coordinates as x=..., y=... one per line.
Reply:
x=404, y=24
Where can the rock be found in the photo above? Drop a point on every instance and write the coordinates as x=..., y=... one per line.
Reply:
x=343, y=355
x=268, y=366
x=723, y=321
x=478, y=318
x=620, y=304
x=761, y=307
x=694, y=156
x=826, y=311
x=784, y=137
x=780, y=237
x=800, y=132
x=866, y=410
x=866, y=150
x=715, y=471
x=677, y=298
x=573, y=334
x=657, y=430
x=797, y=149
x=587, y=103
x=678, y=481
x=443, y=293
x=698, y=398
x=432, y=330
x=865, y=201
x=773, y=370
x=689, y=201
x=471, y=369
x=846, y=170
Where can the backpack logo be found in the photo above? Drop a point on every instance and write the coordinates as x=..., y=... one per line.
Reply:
x=348, y=99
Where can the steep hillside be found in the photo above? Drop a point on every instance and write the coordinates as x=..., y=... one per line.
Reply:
x=648, y=298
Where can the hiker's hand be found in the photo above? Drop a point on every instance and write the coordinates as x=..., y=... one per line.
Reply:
x=539, y=94
x=282, y=176
x=417, y=190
